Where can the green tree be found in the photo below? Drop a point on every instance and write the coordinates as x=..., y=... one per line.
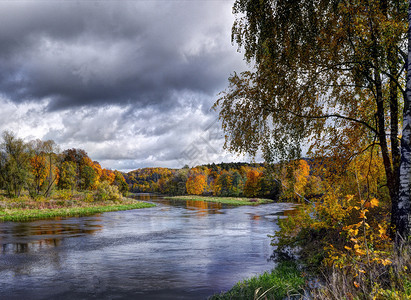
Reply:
x=121, y=183
x=88, y=178
x=225, y=183
x=268, y=186
x=14, y=163
x=237, y=183
x=68, y=174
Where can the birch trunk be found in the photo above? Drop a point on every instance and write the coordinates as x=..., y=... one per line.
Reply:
x=403, y=208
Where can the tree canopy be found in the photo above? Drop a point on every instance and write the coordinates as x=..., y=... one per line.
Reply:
x=327, y=73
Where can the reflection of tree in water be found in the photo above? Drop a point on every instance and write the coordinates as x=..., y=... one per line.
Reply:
x=290, y=213
x=30, y=247
x=255, y=217
x=27, y=261
x=203, y=208
x=36, y=236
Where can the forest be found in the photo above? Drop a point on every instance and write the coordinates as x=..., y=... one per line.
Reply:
x=294, y=181
x=38, y=170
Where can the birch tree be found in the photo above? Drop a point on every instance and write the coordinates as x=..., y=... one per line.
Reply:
x=404, y=210
x=327, y=72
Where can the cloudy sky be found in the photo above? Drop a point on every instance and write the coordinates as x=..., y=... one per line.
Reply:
x=130, y=82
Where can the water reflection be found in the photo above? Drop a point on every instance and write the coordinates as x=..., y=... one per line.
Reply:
x=203, y=208
x=29, y=247
x=36, y=236
x=177, y=250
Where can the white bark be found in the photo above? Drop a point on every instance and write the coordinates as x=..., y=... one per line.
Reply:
x=403, y=208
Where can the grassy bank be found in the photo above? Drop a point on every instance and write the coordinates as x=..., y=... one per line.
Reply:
x=223, y=200
x=61, y=204
x=284, y=281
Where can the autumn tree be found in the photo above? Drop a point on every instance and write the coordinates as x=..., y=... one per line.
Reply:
x=97, y=168
x=107, y=175
x=326, y=71
x=38, y=168
x=301, y=175
x=43, y=166
x=251, y=184
x=196, y=183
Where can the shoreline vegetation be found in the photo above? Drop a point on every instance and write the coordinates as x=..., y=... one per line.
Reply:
x=78, y=204
x=236, y=201
x=283, y=282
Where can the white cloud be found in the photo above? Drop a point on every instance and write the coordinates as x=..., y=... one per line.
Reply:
x=131, y=83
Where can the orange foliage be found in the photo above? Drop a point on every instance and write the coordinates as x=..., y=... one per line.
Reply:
x=301, y=175
x=251, y=184
x=97, y=168
x=107, y=175
x=39, y=169
x=195, y=184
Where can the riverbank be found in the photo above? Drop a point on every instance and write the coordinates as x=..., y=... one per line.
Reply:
x=61, y=205
x=223, y=200
x=282, y=282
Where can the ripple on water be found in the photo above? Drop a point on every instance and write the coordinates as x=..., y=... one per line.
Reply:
x=187, y=251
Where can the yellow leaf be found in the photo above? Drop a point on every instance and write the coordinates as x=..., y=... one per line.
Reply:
x=356, y=284
x=362, y=214
x=381, y=230
x=359, y=252
x=361, y=271
x=348, y=248
x=386, y=262
x=349, y=197
x=374, y=203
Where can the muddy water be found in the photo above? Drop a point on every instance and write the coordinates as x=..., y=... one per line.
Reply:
x=177, y=250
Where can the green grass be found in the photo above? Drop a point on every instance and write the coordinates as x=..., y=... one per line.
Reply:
x=285, y=280
x=223, y=200
x=19, y=215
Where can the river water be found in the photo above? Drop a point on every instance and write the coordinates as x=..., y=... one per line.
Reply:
x=177, y=250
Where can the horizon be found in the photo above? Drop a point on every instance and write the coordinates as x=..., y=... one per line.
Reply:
x=131, y=83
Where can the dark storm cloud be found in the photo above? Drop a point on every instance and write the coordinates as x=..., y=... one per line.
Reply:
x=140, y=53
x=130, y=82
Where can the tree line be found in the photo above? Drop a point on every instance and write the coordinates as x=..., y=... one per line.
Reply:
x=39, y=167
x=291, y=181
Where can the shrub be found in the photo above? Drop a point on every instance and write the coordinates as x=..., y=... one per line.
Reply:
x=65, y=194
x=88, y=197
x=106, y=192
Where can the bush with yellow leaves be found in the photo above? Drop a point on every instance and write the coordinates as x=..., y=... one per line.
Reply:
x=344, y=240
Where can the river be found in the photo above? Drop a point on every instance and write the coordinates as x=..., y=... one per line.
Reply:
x=177, y=250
